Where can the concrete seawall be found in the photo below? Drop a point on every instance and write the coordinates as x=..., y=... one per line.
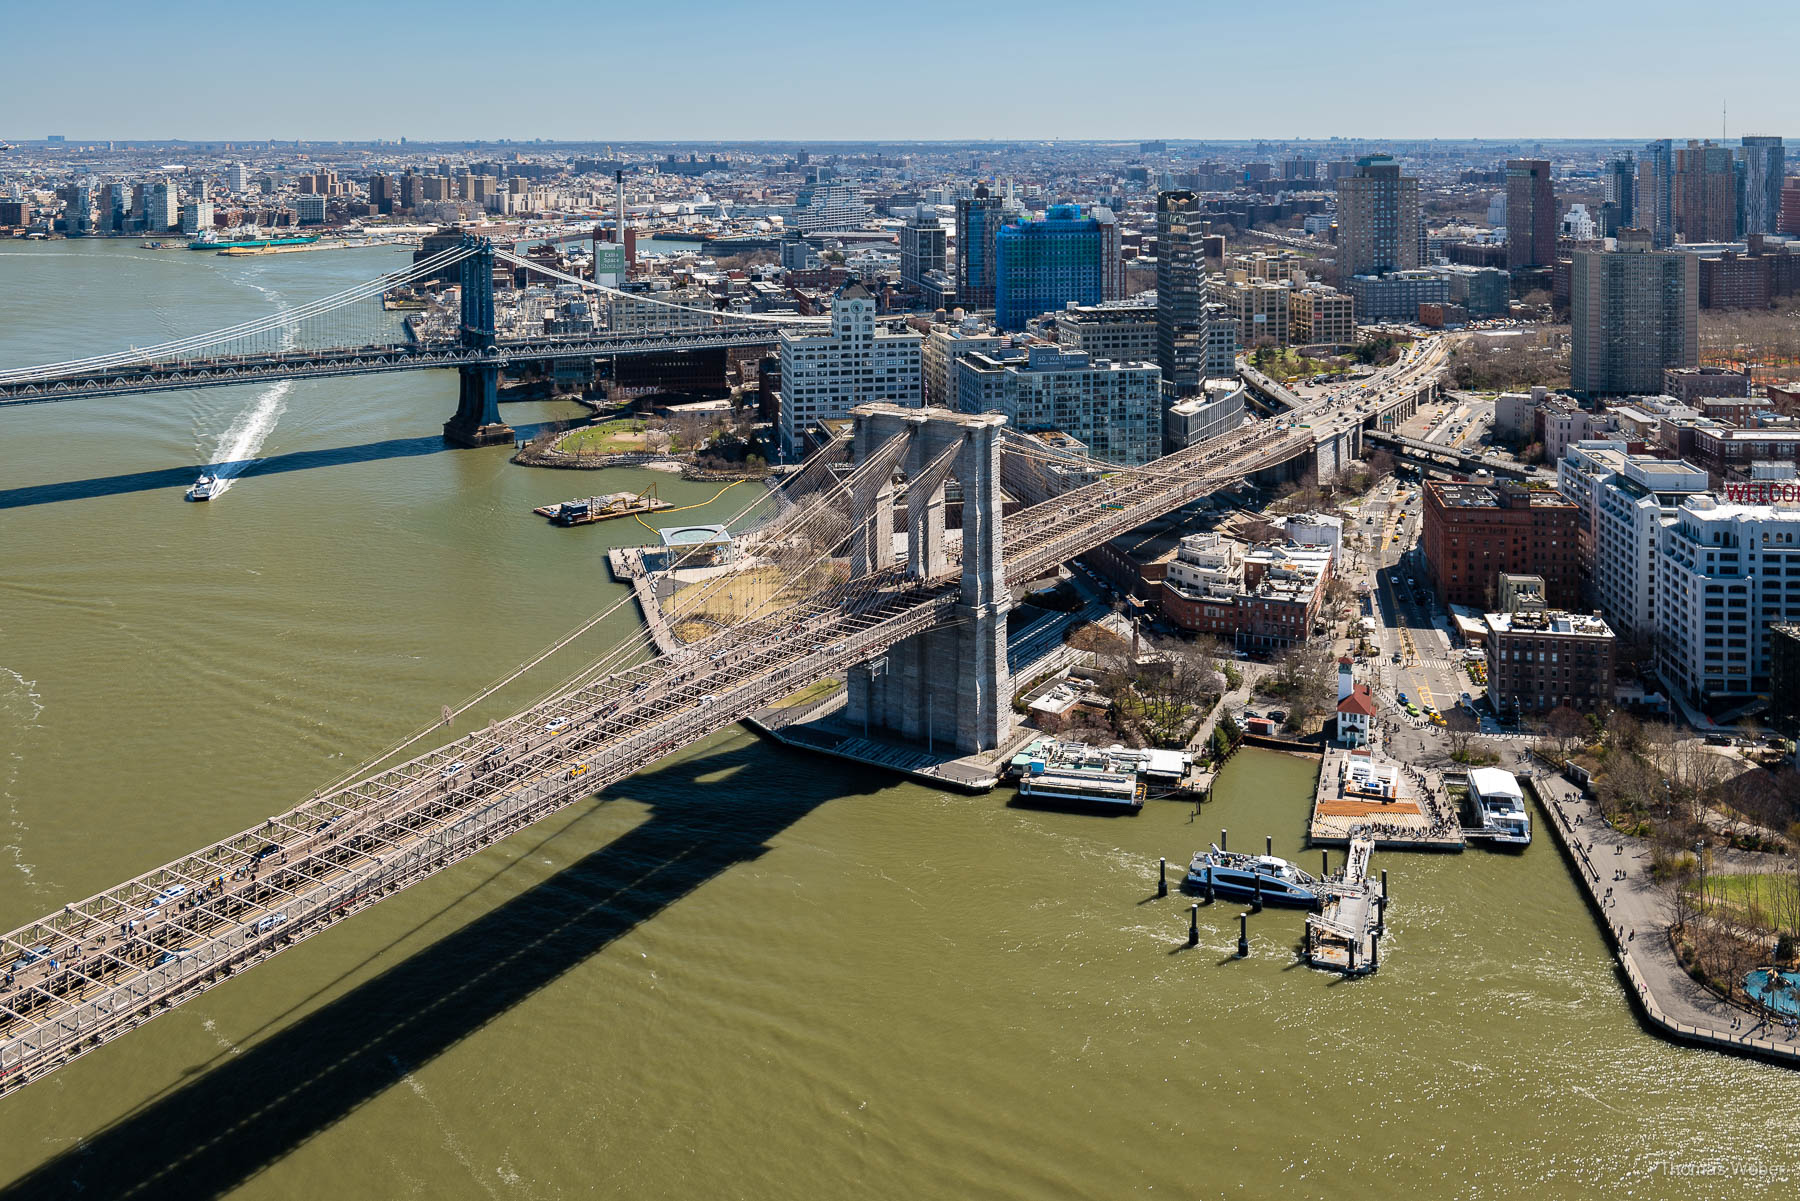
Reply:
x=1661, y=992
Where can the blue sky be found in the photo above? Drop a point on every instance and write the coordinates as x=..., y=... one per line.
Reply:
x=698, y=70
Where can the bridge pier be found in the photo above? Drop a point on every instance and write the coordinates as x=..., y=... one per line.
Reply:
x=477, y=421
x=947, y=687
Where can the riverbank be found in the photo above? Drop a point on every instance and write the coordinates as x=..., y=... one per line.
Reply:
x=1631, y=911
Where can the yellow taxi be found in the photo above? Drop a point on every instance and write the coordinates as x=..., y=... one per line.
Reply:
x=579, y=770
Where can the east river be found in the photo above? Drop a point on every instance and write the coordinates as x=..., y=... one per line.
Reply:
x=749, y=973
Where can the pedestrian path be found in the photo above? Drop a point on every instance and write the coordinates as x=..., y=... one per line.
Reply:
x=1613, y=872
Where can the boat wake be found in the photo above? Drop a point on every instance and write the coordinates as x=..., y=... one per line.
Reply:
x=243, y=440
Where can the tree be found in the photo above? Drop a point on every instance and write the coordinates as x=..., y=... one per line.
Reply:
x=1566, y=726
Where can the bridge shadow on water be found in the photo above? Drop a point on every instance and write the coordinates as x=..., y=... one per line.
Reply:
x=236, y=1117
x=181, y=477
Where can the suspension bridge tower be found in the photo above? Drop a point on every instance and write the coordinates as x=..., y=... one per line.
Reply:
x=948, y=686
x=477, y=421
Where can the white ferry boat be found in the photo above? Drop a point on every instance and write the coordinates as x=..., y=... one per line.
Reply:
x=1501, y=806
x=1233, y=875
x=204, y=488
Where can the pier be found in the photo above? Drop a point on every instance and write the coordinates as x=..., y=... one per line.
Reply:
x=1360, y=791
x=1345, y=935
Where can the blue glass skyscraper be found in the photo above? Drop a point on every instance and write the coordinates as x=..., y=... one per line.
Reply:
x=1040, y=266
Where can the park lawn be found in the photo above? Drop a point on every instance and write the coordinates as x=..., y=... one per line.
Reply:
x=607, y=438
x=1751, y=896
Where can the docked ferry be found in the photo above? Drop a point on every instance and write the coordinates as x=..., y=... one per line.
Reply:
x=1501, y=807
x=1233, y=875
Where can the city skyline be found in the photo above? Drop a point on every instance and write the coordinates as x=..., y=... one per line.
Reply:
x=335, y=78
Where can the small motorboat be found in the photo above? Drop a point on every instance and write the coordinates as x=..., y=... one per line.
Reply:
x=1233, y=875
x=204, y=488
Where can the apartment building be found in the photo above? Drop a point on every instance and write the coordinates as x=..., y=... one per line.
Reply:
x=1259, y=307
x=1623, y=502
x=1114, y=409
x=1123, y=331
x=1473, y=532
x=1321, y=316
x=1728, y=573
x=825, y=375
x=1539, y=659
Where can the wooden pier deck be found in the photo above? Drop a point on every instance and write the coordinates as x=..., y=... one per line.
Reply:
x=1362, y=791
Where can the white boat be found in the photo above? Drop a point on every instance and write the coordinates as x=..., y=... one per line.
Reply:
x=1233, y=875
x=204, y=488
x=1501, y=805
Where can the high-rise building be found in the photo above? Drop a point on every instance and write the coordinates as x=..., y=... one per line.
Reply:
x=1322, y=316
x=1621, y=193
x=825, y=375
x=1113, y=409
x=1789, y=221
x=1112, y=261
x=237, y=178
x=1706, y=193
x=383, y=192
x=1634, y=311
x=1378, y=218
x=309, y=210
x=1765, y=162
x=198, y=216
x=921, y=247
x=1040, y=266
x=1656, y=192
x=162, y=207
x=978, y=221
x=1530, y=214
x=1723, y=585
x=412, y=190
x=1180, y=293
x=1623, y=501
x=117, y=209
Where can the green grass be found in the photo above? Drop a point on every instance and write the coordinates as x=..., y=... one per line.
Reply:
x=811, y=692
x=1749, y=896
x=606, y=438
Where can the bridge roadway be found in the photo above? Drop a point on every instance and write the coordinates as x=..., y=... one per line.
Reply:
x=20, y=388
x=102, y=966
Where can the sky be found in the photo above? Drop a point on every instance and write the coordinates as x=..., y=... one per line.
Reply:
x=697, y=70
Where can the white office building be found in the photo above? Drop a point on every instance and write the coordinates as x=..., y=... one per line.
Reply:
x=237, y=178
x=824, y=376
x=1624, y=500
x=1727, y=572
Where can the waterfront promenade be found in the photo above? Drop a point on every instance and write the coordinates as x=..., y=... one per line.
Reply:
x=1633, y=913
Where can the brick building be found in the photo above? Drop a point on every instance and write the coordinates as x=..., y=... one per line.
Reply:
x=1539, y=659
x=1473, y=532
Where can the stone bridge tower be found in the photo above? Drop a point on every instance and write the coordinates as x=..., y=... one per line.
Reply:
x=949, y=686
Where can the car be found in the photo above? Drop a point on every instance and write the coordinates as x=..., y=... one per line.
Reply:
x=1396, y=656
x=555, y=724
x=1277, y=715
x=31, y=956
x=1718, y=740
x=171, y=957
x=269, y=923
x=267, y=849
x=579, y=770
x=446, y=771
x=1401, y=697
x=168, y=894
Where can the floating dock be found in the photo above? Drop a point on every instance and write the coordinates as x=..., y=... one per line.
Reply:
x=1345, y=935
x=584, y=511
x=1361, y=792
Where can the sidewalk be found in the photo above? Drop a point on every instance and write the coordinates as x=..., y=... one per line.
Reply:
x=1633, y=913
